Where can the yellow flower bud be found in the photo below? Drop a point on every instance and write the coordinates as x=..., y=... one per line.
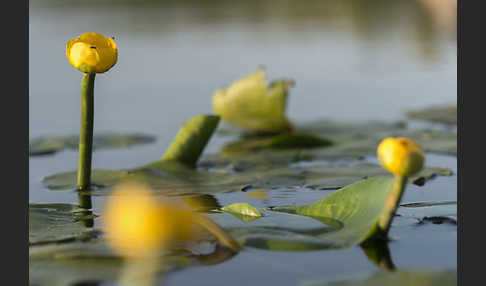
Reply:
x=139, y=225
x=92, y=53
x=400, y=156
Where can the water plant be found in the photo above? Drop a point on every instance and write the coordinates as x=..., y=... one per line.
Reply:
x=254, y=104
x=90, y=53
x=357, y=213
x=138, y=224
x=402, y=157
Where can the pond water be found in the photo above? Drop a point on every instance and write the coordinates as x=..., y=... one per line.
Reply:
x=350, y=61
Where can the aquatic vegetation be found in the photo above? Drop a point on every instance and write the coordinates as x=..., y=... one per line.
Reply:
x=90, y=53
x=138, y=224
x=446, y=114
x=402, y=157
x=364, y=210
x=253, y=104
x=44, y=145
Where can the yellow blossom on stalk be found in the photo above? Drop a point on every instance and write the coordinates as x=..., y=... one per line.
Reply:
x=400, y=156
x=92, y=53
x=138, y=224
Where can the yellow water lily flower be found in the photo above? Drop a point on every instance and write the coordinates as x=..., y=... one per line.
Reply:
x=137, y=224
x=253, y=104
x=92, y=53
x=401, y=156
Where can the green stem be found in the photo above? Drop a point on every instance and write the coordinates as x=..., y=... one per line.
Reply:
x=86, y=132
x=392, y=203
x=84, y=200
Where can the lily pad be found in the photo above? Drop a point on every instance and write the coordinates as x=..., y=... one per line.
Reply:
x=278, y=231
x=357, y=206
x=342, y=219
x=50, y=223
x=52, y=144
x=282, y=141
x=345, y=141
x=253, y=104
x=396, y=278
x=69, y=263
x=442, y=114
x=181, y=180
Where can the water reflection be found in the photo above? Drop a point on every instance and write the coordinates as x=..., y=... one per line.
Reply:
x=377, y=251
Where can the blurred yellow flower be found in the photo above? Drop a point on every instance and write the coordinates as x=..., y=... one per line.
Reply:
x=92, y=53
x=253, y=104
x=400, y=156
x=139, y=225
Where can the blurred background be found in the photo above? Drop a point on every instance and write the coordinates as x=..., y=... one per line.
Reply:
x=351, y=59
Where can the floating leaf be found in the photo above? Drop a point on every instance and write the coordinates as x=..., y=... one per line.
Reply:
x=278, y=231
x=48, y=145
x=253, y=104
x=69, y=263
x=282, y=141
x=350, y=141
x=99, y=178
x=181, y=180
x=396, y=278
x=242, y=209
x=357, y=206
x=58, y=223
x=441, y=114
x=361, y=138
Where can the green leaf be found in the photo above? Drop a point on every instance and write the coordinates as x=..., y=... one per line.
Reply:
x=99, y=178
x=396, y=278
x=282, y=141
x=191, y=139
x=52, y=144
x=243, y=211
x=357, y=206
x=442, y=114
x=179, y=180
x=362, y=138
x=278, y=231
x=71, y=263
x=50, y=223
x=254, y=105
